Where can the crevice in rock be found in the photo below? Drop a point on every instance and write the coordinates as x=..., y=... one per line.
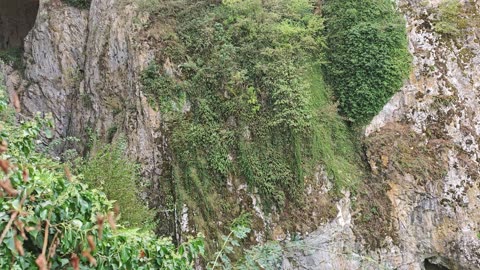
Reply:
x=434, y=264
x=17, y=18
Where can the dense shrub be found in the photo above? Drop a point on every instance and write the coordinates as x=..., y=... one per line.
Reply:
x=368, y=57
x=51, y=220
x=109, y=170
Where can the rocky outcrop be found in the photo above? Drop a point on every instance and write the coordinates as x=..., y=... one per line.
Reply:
x=54, y=55
x=424, y=147
x=83, y=66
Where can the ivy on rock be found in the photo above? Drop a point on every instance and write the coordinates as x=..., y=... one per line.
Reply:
x=367, y=55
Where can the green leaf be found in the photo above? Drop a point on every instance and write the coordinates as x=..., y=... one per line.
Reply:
x=43, y=214
x=77, y=223
x=124, y=255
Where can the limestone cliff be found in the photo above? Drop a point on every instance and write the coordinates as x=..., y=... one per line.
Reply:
x=424, y=147
x=84, y=66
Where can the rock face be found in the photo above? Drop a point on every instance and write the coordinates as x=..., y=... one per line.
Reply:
x=424, y=146
x=84, y=66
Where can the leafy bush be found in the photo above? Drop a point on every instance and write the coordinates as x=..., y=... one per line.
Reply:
x=79, y=3
x=109, y=170
x=367, y=55
x=51, y=220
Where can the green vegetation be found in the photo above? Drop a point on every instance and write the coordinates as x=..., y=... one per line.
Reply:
x=240, y=84
x=332, y=142
x=13, y=56
x=238, y=103
x=84, y=4
x=367, y=55
x=49, y=220
x=266, y=256
x=109, y=170
x=449, y=21
x=243, y=97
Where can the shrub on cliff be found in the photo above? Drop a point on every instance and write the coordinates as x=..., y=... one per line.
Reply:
x=109, y=170
x=49, y=220
x=367, y=55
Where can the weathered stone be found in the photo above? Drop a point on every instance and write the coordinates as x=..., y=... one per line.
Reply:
x=436, y=218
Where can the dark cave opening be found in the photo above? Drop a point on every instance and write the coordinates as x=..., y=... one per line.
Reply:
x=431, y=264
x=17, y=18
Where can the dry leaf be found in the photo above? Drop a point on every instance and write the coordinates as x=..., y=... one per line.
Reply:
x=7, y=186
x=89, y=257
x=67, y=173
x=21, y=228
x=41, y=262
x=3, y=147
x=19, y=246
x=25, y=175
x=116, y=209
x=16, y=102
x=5, y=165
x=100, y=221
x=75, y=261
x=111, y=221
x=91, y=242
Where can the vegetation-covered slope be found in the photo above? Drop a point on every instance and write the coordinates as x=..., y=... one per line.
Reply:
x=242, y=91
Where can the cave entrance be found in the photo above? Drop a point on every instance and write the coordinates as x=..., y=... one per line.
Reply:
x=433, y=264
x=17, y=18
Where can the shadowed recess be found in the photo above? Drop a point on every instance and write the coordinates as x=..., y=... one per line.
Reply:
x=433, y=264
x=17, y=18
